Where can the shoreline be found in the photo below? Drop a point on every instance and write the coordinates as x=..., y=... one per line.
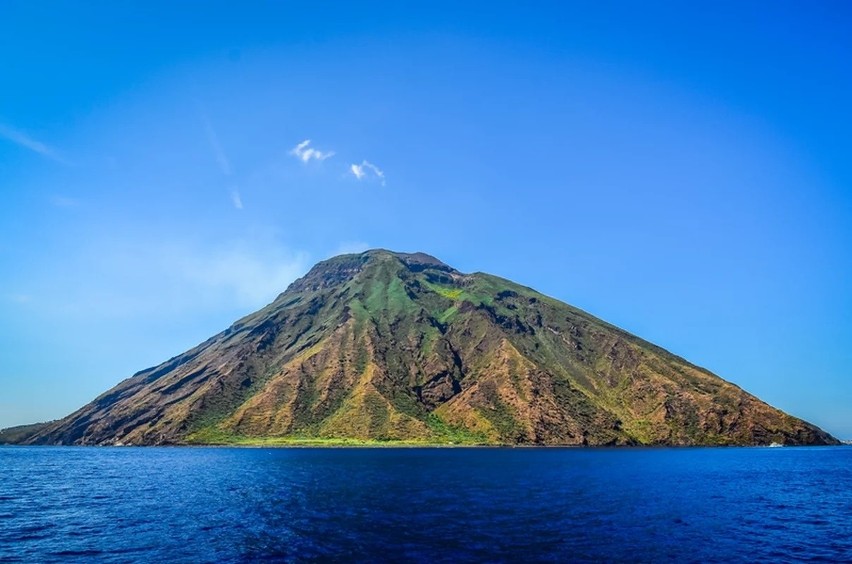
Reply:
x=343, y=445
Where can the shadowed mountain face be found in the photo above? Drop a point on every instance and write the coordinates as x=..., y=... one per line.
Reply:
x=384, y=346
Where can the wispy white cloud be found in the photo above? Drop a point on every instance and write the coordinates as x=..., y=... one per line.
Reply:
x=351, y=247
x=236, y=199
x=221, y=159
x=216, y=146
x=180, y=277
x=20, y=298
x=238, y=275
x=304, y=153
x=367, y=170
x=23, y=140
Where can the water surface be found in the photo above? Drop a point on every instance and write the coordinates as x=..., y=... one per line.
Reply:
x=222, y=504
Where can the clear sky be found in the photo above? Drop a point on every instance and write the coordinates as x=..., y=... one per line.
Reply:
x=682, y=170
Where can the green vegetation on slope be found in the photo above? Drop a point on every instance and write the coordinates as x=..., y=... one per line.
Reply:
x=384, y=348
x=20, y=433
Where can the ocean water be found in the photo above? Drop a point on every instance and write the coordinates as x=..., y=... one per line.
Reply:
x=428, y=505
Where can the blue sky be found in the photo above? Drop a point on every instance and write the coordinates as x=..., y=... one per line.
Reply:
x=679, y=169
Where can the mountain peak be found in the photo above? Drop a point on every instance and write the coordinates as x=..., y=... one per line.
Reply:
x=342, y=268
x=389, y=346
x=416, y=258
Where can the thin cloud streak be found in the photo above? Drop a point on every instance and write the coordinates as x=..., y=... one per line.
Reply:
x=23, y=140
x=218, y=152
x=365, y=170
x=306, y=154
x=236, y=199
x=221, y=159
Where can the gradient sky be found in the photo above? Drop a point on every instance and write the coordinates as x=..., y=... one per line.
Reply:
x=682, y=170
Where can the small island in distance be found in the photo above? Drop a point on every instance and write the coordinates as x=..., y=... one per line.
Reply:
x=401, y=349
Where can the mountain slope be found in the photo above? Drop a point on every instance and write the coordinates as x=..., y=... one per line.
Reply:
x=384, y=346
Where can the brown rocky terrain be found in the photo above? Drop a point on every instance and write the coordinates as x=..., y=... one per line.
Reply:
x=390, y=347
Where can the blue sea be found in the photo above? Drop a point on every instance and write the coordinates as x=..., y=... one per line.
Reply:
x=425, y=505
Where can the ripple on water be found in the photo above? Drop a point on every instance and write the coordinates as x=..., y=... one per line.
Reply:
x=437, y=505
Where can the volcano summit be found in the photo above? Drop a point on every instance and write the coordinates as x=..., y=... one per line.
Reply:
x=396, y=347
